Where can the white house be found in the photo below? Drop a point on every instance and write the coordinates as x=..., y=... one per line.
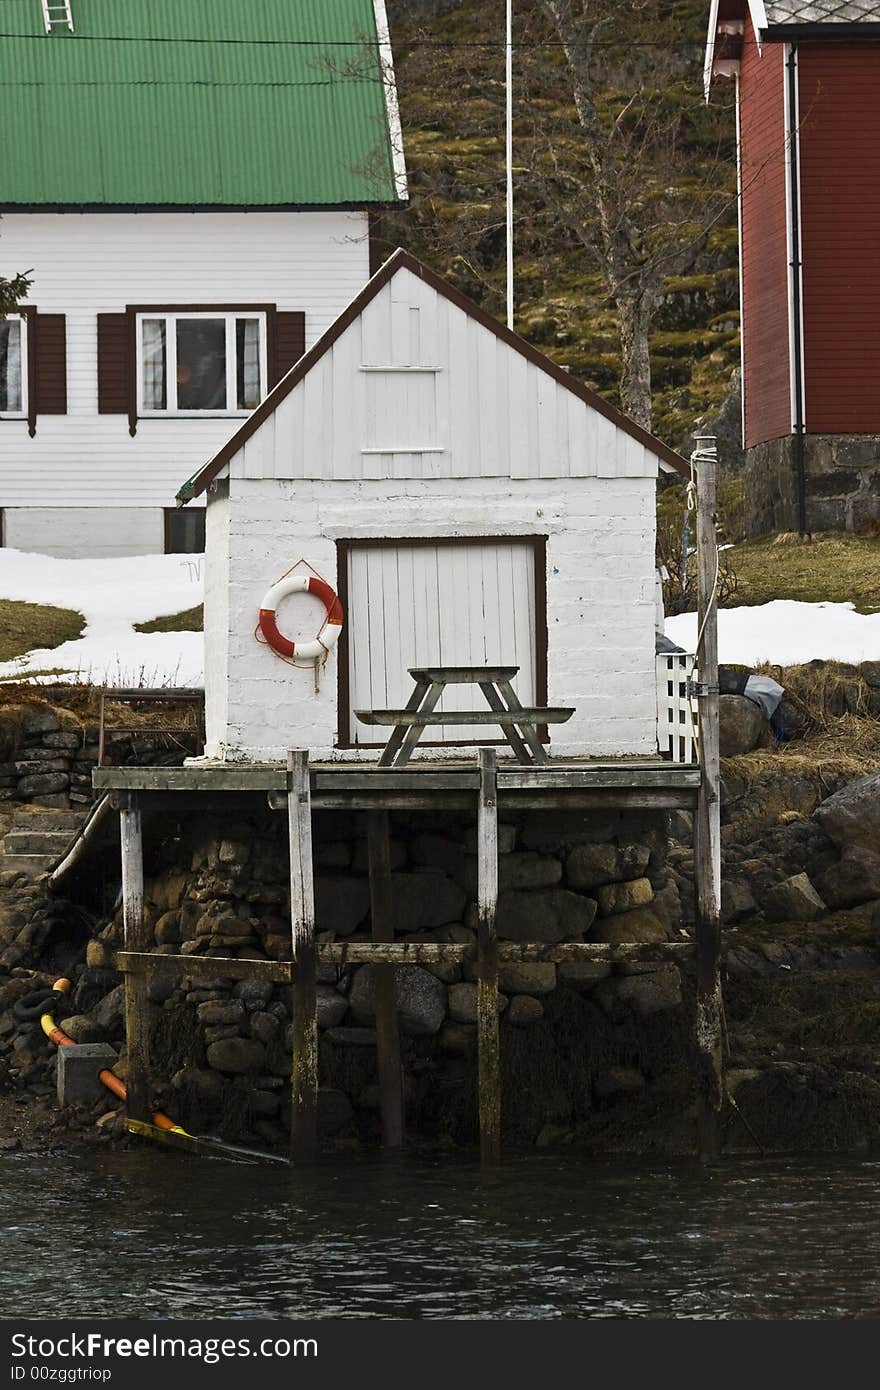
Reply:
x=468, y=501
x=190, y=189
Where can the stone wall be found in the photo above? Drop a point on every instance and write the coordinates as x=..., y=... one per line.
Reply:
x=48, y=752
x=843, y=484
x=574, y=1038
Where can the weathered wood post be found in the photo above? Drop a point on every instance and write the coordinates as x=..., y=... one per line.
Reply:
x=707, y=829
x=488, y=1039
x=137, y=938
x=387, y=1032
x=304, y=1061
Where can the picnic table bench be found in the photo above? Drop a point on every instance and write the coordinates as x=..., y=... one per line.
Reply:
x=519, y=724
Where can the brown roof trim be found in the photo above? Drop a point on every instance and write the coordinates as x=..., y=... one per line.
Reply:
x=403, y=260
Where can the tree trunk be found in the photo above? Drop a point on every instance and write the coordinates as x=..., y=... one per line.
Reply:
x=635, y=367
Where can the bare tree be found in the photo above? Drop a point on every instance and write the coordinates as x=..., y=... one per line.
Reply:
x=631, y=205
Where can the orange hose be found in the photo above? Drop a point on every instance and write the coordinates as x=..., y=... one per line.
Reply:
x=61, y=1039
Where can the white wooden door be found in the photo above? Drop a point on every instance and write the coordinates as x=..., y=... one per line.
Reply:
x=446, y=604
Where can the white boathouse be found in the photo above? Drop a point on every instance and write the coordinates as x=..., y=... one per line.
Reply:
x=470, y=503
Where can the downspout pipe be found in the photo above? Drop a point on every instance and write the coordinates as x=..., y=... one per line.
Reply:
x=796, y=306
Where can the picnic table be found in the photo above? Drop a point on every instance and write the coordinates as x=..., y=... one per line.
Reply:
x=519, y=724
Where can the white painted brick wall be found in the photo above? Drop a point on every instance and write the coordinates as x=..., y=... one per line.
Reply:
x=600, y=599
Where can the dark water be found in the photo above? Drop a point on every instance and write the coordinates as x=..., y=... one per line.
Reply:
x=144, y=1233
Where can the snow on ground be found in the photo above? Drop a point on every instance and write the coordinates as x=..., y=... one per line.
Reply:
x=112, y=595
x=787, y=633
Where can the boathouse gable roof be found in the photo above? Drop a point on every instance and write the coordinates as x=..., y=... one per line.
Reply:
x=414, y=380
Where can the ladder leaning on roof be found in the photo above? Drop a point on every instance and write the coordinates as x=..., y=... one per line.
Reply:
x=57, y=14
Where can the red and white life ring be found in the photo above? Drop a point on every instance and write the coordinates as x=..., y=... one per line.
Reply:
x=328, y=634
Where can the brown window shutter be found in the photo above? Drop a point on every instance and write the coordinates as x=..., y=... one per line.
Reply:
x=115, y=384
x=48, y=366
x=290, y=344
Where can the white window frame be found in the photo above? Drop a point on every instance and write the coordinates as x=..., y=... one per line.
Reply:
x=21, y=414
x=230, y=317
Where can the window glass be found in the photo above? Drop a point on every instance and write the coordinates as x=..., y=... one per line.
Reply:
x=201, y=364
x=10, y=365
x=155, y=369
x=247, y=347
x=185, y=531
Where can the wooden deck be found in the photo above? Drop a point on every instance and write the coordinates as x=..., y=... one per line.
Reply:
x=638, y=783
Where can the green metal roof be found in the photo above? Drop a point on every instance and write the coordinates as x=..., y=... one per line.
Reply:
x=212, y=103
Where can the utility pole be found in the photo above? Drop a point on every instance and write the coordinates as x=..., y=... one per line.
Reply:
x=509, y=159
x=707, y=837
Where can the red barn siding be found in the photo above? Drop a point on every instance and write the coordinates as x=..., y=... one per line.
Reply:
x=840, y=222
x=766, y=375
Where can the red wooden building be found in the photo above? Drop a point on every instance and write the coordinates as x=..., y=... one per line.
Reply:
x=807, y=79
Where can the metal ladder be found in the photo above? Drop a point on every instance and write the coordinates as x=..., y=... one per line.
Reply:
x=57, y=14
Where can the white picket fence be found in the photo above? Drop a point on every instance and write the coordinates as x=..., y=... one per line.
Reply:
x=677, y=728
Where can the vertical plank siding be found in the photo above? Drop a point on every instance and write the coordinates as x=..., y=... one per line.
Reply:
x=437, y=395
x=840, y=226
x=764, y=258
x=451, y=605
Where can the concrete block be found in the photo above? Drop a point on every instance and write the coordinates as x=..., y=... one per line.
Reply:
x=78, y=1069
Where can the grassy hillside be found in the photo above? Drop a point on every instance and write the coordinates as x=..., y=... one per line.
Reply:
x=451, y=94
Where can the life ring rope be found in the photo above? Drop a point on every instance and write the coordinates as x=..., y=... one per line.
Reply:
x=267, y=632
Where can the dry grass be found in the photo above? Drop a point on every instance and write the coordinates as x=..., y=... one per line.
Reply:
x=849, y=747
x=832, y=568
x=190, y=620
x=26, y=626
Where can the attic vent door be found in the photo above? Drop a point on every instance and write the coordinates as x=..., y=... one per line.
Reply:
x=442, y=603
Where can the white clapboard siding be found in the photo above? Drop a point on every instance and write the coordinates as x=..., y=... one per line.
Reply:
x=421, y=389
x=446, y=605
x=91, y=263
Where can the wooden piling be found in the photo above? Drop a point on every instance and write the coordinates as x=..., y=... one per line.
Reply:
x=387, y=1029
x=137, y=938
x=304, y=1061
x=488, y=1039
x=707, y=826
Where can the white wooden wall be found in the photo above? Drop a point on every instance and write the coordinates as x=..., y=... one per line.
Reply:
x=441, y=605
x=86, y=264
x=417, y=388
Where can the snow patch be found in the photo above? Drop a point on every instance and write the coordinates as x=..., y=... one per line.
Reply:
x=787, y=633
x=112, y=596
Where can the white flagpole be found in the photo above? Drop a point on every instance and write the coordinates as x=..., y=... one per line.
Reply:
x=509, y=161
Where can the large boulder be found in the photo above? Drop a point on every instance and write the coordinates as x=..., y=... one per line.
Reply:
x=589, y=866
x=423, y=901
x=794, y=900
x=852, y=815
x=553, y=915
x=421, y=999
x=641, y=926
x=526, y=869
x=741, y=725
x=331, y=1006
x=527, y=977
x=237, y=1056
x=650, y=994
x=855, y=879
x=524, y=1011
x=624, y=897
x=341, y=903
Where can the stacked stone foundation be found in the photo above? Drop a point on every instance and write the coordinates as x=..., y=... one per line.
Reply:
x=577, y=1039
x=842, y=484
